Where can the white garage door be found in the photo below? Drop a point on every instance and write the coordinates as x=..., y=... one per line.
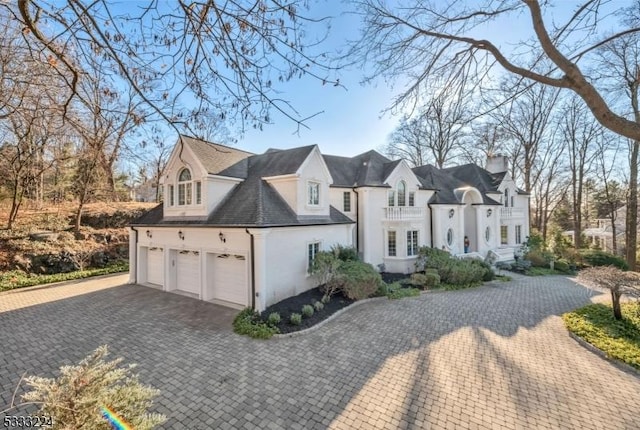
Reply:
x=229, y=281
x=188, y=272
x=155, y=266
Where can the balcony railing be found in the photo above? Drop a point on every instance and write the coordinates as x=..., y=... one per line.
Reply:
x=511, y=213
x=401, y=213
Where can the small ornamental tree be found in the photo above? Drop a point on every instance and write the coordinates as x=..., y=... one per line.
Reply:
x=614, y=280
x=324, y=269
x=78, y=397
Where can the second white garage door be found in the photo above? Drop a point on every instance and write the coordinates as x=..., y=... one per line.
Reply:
x=188, y=272
x=229, y=279
x=155, y=266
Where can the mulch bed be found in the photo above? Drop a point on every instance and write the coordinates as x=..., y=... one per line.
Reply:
x=294, y=305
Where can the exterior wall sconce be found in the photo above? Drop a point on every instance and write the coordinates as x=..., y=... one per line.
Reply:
x=222, y=238
x=181, y=235
x=149, y=235
x=451, y=213
x=489, y=212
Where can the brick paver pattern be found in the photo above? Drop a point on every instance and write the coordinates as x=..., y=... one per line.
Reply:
x=494, y=357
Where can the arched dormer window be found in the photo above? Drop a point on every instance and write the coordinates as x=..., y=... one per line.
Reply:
x=402, y=193
x=506, y=197
x=185, y=188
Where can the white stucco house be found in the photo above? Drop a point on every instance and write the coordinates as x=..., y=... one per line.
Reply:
x=241, y=229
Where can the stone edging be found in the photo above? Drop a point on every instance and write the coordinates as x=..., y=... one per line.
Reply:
x=329, y=318
x=619, y=364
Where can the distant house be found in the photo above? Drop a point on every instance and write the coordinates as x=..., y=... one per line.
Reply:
x=600, y=235
x=242, y=229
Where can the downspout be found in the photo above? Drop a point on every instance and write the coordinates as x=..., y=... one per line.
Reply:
x=357, y=219
x=430, y=223
x=253, y=271
x=135, y=272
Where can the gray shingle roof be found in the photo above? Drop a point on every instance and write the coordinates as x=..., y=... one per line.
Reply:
x=254, y=202
x=476, y=176
x=214, y=157
x=369, y=169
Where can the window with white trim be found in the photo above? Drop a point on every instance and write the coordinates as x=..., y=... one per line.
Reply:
x=402, y=193
x=412, y=198
x=450, y=237
x=198, y=192
x=412, y=243
x=313, y=194
x=312, y=249
x=392, y=198
x=172, y=196
x=506, y=197
x=185, y=189
x=391, y=244
x=518, y=234
x=504, y=235
x=346, y=201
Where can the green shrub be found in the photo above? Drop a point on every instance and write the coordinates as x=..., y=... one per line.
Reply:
x=562, y=266
x=487, y=271
x=592, y=258
x=396, y=291
x=248, y=323
x=307, y=311
x=295, y=319
x=425, y=280
x=521, y=266
x=538, y=258
x=318, y=306
x=345, y=253
x=273, y=319
x=325, y=269
x=431, y=258
x=358, y=280
x=431, y=270
x=464, y=274
x=325, y=299
x=75, y=399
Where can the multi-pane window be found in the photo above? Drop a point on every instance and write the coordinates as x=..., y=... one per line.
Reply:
x=506, y=198
x=184, y=187
x=172, y=196
x=518, y=234
x=412, y=198
x=392, y=198
x=313, y=191
x=391, y=243
x=312, y=250
x=412, y=243
x=504, y=235
x=346, y=201
x=198, y=192
x=402, y=193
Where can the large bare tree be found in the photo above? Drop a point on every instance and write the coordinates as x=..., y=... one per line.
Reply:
x=183, y=58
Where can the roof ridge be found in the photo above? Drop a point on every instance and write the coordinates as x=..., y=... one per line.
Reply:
x=214, y=143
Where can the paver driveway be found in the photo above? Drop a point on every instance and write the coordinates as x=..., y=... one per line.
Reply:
x=491, y=357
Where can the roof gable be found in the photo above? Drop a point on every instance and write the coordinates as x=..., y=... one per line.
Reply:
x=214, y=157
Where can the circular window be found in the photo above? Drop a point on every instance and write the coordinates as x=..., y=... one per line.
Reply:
x=450, y=237
x=487, y=234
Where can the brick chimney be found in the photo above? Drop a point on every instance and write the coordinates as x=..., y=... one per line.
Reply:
x=497, y=163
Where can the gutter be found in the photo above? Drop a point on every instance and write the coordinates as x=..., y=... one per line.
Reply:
x=253, y=271
x=135, y=249
x=431, y=223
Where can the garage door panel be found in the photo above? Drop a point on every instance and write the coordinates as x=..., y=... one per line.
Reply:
x=155, y=266
x=188, y=272
x=229, y=281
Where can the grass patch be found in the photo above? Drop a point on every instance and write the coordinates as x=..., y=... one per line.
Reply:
x=454, y=287
x=618, y=339
x=396, y=291
x=19, y=279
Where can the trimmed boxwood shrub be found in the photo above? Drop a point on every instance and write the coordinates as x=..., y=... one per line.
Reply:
x=594, y=257
x=425, y=280
x=453, y=271
x=345, y=253
x=562, y=266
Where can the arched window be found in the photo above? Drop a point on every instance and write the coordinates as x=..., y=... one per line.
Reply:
x=185, y=187
x=506, y=197
x=402, y=193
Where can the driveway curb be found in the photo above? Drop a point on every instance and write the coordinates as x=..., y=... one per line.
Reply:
x=63, y=283
x=617, y=363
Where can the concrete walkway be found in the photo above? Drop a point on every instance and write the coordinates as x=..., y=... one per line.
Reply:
x=494, y=357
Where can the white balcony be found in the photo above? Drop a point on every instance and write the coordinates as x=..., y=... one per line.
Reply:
x=506, y=213
x=401, y=213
